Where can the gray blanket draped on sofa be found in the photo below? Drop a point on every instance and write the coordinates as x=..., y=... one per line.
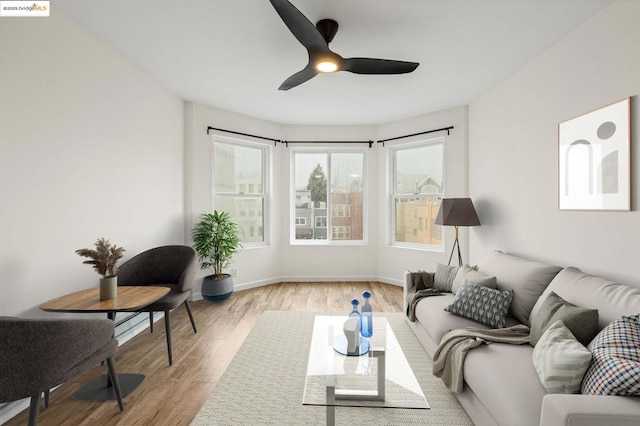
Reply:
x=448, y=361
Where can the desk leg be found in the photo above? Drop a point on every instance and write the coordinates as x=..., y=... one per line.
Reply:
x=101, y=388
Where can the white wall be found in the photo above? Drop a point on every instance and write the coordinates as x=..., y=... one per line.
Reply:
x=89, y=147
x=513, y=151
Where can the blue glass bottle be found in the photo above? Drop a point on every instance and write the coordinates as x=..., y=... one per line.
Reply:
x=355, y=313
x=366, y=321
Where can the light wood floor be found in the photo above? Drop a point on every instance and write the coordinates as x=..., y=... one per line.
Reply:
x=173, y=395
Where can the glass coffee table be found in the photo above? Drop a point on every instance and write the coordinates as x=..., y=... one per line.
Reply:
x=382, y=378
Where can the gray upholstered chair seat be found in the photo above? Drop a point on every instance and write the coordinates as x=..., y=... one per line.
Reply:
x=170, y=301
x=39, y=354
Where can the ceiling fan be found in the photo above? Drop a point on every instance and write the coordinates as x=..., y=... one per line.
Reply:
x=316, y=40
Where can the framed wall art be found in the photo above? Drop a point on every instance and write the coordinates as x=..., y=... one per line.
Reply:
x=594, y=153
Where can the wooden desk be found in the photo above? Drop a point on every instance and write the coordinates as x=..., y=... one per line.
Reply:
x=129, y=298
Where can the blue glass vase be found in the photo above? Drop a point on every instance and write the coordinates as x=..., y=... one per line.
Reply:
x=366, y=321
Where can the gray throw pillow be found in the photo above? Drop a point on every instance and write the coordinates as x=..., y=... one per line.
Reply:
x=560, y=360
x=527, y=278
x=582, y=322
x=482, y=304
x=443, y=279
x=466, y=272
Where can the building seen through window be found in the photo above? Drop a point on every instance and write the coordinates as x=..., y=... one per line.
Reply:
x=239, y=180
x=329, y=195
x=417, y=192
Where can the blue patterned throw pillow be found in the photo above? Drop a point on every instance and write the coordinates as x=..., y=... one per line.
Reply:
x=615, y=367
x=443, y=279
x=482, y=304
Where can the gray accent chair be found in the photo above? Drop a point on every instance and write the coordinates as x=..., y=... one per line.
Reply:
x=39, y=354
x=167, y=266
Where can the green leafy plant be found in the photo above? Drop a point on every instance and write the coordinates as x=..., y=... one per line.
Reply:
x=104, y=258
x=216, y=238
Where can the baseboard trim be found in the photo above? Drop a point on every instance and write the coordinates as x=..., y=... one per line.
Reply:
x=197, y=292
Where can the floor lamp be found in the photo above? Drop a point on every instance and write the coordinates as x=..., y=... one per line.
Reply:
x=457, y=212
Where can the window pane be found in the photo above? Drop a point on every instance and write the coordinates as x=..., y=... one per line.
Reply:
x=311, y=195
x=419, y=170
x=415, y=221
x=237, y=169
x=346, y=196
x=248, y=213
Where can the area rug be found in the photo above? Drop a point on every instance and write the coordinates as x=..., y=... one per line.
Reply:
x=264, y=383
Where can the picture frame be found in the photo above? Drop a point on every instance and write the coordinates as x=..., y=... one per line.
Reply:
x=594, y=159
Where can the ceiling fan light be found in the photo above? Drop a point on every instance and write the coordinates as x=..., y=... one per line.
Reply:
x=326, y=66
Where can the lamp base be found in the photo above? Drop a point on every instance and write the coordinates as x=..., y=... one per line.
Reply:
x=456, y=244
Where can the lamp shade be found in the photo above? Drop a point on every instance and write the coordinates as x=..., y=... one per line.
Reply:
x=457, y=212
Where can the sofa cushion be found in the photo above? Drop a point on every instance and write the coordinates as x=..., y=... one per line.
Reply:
x=612, y=300
x=560, y=360
x=527, y=278
x=615, y=368
x=444, y=276
x=582, y=322
x=503, y=378
x=466, y=272
x=483, y=304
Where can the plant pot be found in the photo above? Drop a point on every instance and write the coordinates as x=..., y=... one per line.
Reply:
x=217, y=290
x=108, y=288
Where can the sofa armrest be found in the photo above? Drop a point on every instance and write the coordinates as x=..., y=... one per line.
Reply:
x=405, y=290
x=589, y=410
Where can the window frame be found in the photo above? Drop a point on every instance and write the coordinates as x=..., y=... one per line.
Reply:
x=265, y=194
x=393, y=196
x=292, y=196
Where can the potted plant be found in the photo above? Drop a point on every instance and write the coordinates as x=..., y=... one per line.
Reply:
x=104, y=260
x=216, y=238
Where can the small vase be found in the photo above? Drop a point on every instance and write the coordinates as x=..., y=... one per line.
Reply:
x=108, y=288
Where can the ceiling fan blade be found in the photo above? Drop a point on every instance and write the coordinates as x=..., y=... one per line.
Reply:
x=298, y=78
x=300, y=26
x=377, y=66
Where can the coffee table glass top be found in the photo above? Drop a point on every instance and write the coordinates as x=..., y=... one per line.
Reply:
x=359, y=373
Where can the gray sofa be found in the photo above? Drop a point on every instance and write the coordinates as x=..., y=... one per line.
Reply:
x=501, y=386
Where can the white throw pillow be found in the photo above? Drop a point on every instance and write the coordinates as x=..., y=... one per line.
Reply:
x=560, y=360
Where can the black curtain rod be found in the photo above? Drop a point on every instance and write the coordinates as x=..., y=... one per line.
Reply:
x=443, y=129
x=370, y=142
x=326, y=142
x=276, y=141
x=243, y=134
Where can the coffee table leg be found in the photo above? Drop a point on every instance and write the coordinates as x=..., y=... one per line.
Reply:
x=331, y=400
x=382, y=363
x=368, y=395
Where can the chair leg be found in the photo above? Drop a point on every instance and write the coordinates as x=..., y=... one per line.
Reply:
x=34, y=410
x=193, y=323
x=46, y=399
x=151, y=321
x=167, y=323
x=113, y=374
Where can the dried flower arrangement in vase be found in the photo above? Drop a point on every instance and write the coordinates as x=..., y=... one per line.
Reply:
x=104, y=260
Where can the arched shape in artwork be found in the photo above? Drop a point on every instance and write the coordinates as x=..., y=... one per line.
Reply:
x=567, y=163
x=608, y=174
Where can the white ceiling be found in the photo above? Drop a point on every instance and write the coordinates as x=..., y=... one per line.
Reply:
x=234, y=54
